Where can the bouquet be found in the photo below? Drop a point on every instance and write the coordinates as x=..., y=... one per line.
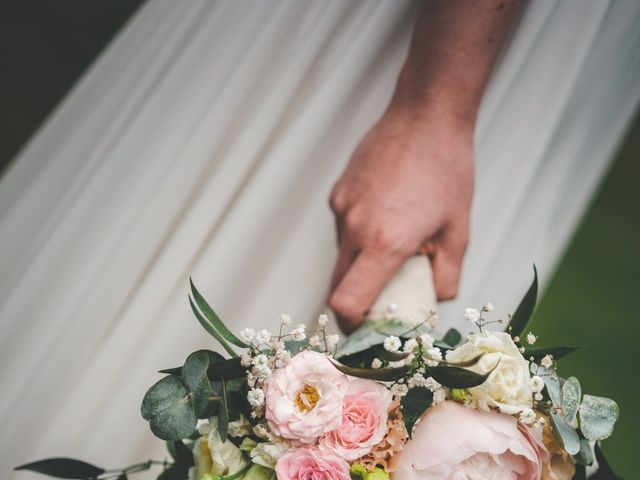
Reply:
x=392, y=401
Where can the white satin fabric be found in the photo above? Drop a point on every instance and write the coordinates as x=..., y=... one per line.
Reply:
x=204, y=142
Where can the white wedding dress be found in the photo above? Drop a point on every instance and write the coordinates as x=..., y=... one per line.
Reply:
x=204, y=142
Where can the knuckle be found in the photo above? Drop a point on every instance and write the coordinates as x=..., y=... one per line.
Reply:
x=386, y=240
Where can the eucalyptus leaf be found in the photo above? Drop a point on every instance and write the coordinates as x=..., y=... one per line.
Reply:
x=566, y=435
x=452, y=338
x=523, y=313
x=585, y=455
x=414, y=404
x=194, y=376
x=63, y=468
x=551, y=383
x=598, y=415
x=214, y=319
x=372, y=333
x=571, y=394
x=168, y=406
x=456, y=377
x=380, y=374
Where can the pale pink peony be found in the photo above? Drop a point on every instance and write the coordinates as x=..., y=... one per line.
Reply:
x=453, y=442
x=364, y=420
x=311, y=464
x=304, y=399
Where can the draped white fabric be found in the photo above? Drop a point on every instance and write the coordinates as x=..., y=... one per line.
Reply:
x=204, y=142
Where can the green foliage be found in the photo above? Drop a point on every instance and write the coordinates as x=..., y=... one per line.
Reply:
x=571, y=393
x=585, y=455
x=414, y=404
x=565, y=434
x=457, y=377
x=450, y=340
x=63, y=468
x=598, y=415
x=539, y=352
x=214, y=320
x=523, y=313
x=169, y=407
x=372, y=333
x=380, y=374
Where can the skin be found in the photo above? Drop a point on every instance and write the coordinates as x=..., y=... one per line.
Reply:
x=408, y=187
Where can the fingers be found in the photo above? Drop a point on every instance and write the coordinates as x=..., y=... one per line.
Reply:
x=361, y=284
x=447, y=260
x=346, y=255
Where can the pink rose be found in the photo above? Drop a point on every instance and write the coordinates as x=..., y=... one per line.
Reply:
x=311, y=464
x=364, y=420
x=304, y=399
x=455, y=442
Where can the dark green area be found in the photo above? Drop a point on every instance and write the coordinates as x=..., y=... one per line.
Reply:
x=594, y=300
x=45, y=45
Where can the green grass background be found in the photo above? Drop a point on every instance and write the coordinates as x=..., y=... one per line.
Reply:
x=593, y=299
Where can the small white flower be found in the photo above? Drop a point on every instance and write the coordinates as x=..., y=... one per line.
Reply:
x=538, y=397
x=376, y=363
x=263, y=337
x=433, y=356
x=547, y=361
x=315, y=341
x=417, y=380
x=488, y=307
x=247, y=335
x=397, y=363
x=332, y=340
x=527, y=416
x=261, y=431
x=431, y=384
x=410, y=345
x=260, y=360
x=426, y=340
x=439, y=395
x=398, y=390
x=537, y=384
x=298, y=334
x=472, y=314
x=285, y=319
x=262, y=371
x=323, y=320
x=277, y=345
x=246, y=360
x=531, y=338
x=392, y=343
x=256, y=397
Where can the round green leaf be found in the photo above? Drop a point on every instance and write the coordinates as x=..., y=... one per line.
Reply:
x=571, y=393
x=169, y=407
x=194, y=376
x=162, y=395
x=567, y=436
x=598, y=415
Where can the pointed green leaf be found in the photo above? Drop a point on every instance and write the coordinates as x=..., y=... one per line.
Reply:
x=456, y=377
x=214, y=319
x=226, y=369
x=467, y=363
x=523, y=313
x=212, y=331
x=598, y=416
x=571, y=394
x=380, y=374
x=63, y=468
x=539, y=352
x=414, y=404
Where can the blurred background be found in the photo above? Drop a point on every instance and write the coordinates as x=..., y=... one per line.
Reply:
x=592, y=300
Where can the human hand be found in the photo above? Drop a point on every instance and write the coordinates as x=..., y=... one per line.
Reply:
x=407, y=187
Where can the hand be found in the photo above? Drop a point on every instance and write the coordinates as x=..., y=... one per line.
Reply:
x=408, y=185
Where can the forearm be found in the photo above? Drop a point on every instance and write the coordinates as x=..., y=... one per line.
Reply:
x=454, y=45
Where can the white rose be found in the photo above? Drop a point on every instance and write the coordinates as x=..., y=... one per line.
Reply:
x=215, y=457
x=267, y=454
x=508, y=388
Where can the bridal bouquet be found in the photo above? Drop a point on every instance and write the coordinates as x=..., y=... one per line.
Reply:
x=393, y=400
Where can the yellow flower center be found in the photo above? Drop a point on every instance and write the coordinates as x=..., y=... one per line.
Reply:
x=307, y=398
